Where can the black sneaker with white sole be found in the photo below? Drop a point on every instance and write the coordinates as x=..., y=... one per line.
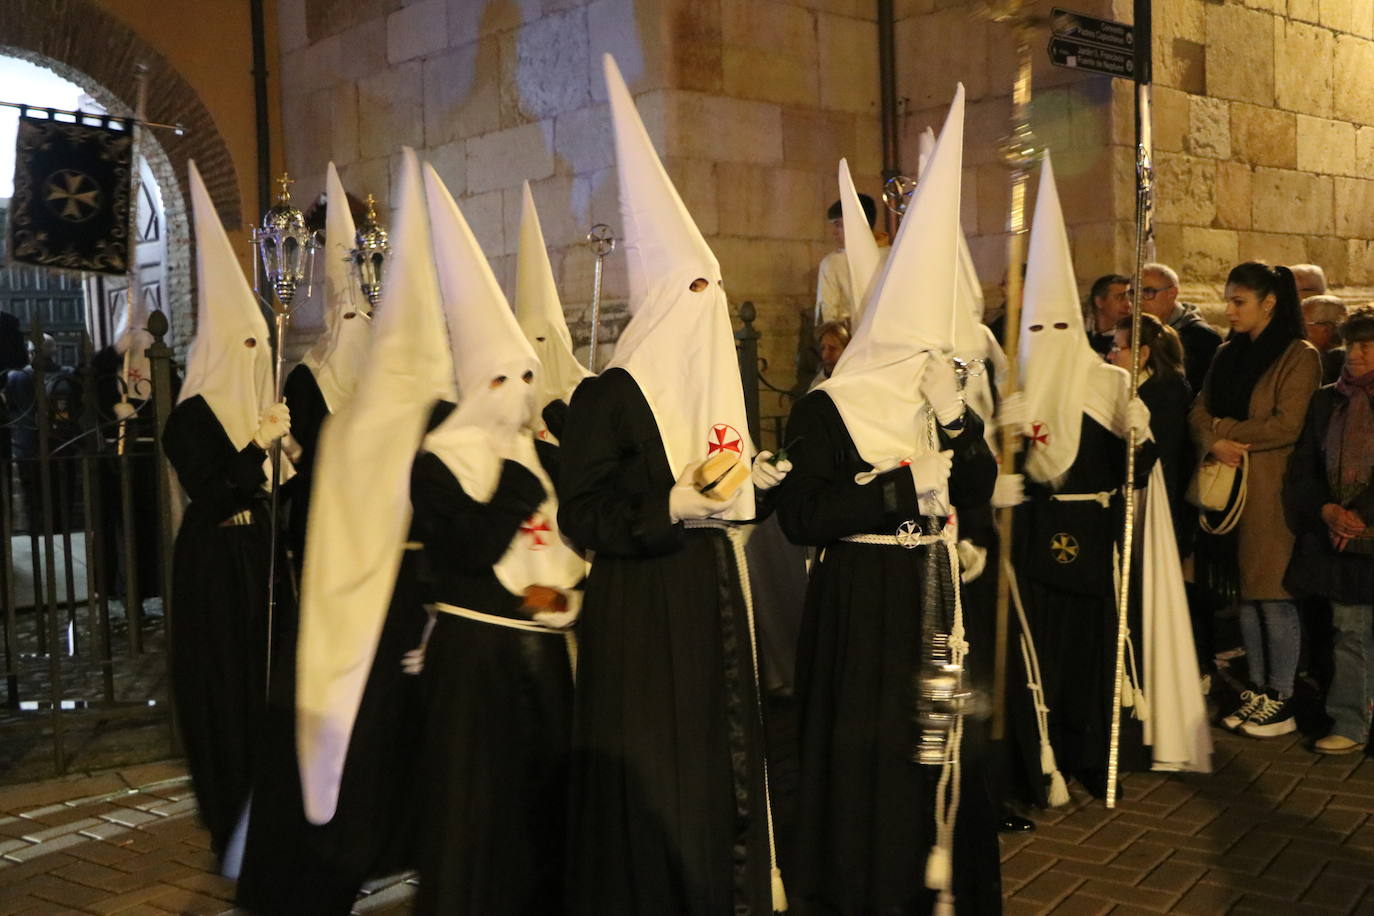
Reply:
x=1250, y=702
x=1273, y=718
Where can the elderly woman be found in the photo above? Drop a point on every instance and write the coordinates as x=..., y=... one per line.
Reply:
x=1252, y=406
x=1329, y=493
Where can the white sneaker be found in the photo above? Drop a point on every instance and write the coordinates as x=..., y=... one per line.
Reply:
x=1250, y=702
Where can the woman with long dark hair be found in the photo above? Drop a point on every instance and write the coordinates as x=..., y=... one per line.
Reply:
x=1252, y=407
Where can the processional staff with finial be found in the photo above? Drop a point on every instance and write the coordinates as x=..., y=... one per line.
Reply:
x=602, y=242
x=1143, y=233
x=1019, y=153
x=287, y=250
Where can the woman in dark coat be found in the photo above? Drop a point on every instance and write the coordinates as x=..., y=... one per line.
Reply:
x=1329, y=494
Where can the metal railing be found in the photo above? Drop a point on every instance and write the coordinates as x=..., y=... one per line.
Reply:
x=85, y=557
x=765, y=429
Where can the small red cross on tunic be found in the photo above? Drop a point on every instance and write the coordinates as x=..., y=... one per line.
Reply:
x=533, y=526
x=723, y=438
x=1040, y=433
x=134, y=375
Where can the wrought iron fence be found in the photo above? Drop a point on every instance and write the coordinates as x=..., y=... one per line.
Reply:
x=85, y=549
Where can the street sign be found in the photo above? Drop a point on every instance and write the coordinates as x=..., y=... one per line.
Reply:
x=1080, y=55
x=1104, y=32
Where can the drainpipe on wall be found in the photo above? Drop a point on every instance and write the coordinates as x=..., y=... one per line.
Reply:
x=887, y=100
x=260, y=106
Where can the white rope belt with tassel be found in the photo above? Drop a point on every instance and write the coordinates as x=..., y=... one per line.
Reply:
x=735, y=534
x=940, y=863
x=1102, y=498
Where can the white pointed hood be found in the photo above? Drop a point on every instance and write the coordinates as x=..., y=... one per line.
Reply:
x=234, y=377
x=910, y=315
x=973, y=340
x=337, y=357
x=1061, y=375
x=486, y=343
x=679, y=345
x=860, y=247
x=540, y=313
x=360, y=514
x=492, y=425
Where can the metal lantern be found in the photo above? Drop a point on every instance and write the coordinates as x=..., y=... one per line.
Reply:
x=369, y=257
x=285, y=245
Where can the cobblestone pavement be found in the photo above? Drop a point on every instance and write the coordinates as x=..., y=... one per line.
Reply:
x=1275, y=830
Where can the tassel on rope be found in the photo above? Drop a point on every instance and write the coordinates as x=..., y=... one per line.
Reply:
x=1059, y=790
x=779, y=892
x=1142, y=705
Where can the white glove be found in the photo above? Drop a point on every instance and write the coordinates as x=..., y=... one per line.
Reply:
x=767, y=475
x=940, y=388
x=274, y=423
x=685, y=501
x=972, y=560
x=1014, y=413
x=930, y=473
x=123, y=410
x=1008, y=491
x=1137, y=417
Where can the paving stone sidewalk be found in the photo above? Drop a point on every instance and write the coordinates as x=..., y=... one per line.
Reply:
x=1276, y=830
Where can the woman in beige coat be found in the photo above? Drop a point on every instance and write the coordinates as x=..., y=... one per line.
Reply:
x=1253, y=402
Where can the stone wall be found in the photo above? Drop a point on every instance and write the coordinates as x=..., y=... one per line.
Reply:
x=1263, y=134
x=1264, y=131
x=751, y=102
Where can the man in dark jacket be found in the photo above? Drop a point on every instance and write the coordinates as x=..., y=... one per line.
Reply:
x=1159, y=297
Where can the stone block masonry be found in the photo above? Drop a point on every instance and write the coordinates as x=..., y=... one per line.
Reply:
x=751, y=103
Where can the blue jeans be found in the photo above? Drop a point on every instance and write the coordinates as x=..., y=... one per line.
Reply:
x=1271, y=650
x=1351, y=698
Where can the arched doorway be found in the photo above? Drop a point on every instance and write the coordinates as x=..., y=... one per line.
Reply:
x=83, y=43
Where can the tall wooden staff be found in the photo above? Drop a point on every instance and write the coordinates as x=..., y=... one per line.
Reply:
x=1144, y=189
x=1019, y=153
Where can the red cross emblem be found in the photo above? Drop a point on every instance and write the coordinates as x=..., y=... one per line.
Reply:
x=1040, y=433
x=723, y=438
x=533, y=526
x=134, y=375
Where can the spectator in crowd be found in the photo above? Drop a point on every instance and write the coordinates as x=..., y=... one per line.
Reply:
x=1252, y=407
x=1329, y=493
x=1108, y=302
x=1311, y=280
x=1165, y=391
x=1324, y=315
x=834, y=297
x=1159, y=297
x=831, y=339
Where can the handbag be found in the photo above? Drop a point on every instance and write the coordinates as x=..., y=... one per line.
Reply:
x=1217, y=487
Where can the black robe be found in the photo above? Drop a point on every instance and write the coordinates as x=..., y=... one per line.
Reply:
x=1063, y=556
x=494, y=761
x=308, y=413
x=219, y=632
x=866, y=812
x=294, y=868
x=667, y=812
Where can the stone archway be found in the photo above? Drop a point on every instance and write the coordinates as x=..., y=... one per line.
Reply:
x=84, y=44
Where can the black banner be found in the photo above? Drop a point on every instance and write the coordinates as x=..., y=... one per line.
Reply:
x=71, y=196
